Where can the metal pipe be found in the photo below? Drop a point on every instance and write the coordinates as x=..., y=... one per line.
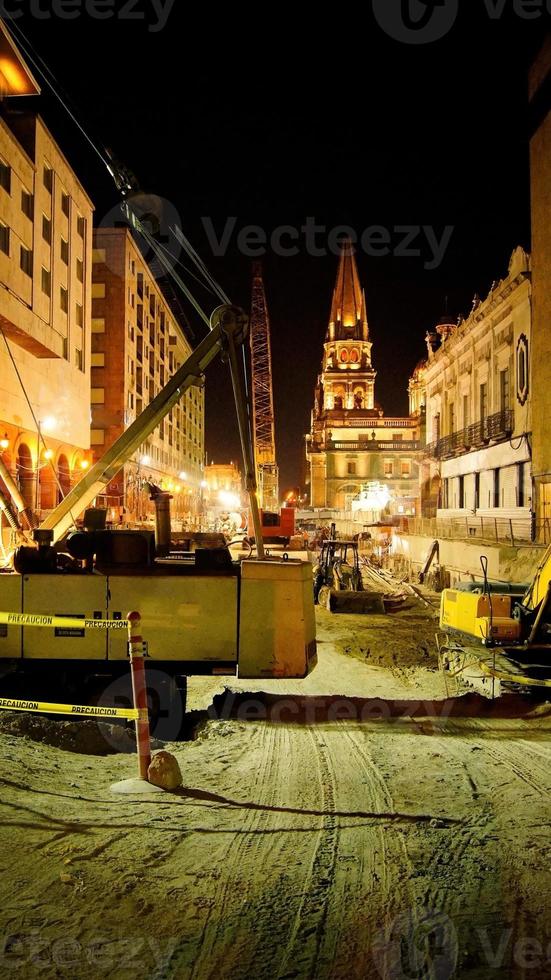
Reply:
x=17, y=496
x=10, y=516
x=139, y=692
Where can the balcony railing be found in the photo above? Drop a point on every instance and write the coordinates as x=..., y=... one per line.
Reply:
x=494, y=428
x=369, y=445
x=373, y=445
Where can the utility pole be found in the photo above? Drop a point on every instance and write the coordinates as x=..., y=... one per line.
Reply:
x=262, y=396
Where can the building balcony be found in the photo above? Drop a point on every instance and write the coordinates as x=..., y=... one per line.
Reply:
x=369, y=445
x=494, y=428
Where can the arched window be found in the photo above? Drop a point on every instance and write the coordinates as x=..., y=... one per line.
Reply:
x=344, y=356
x=354, y=355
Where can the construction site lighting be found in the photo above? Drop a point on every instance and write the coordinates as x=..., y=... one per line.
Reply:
x=84, y=464
x=228, y=499
x=4, y=443
x=48, y=454
x=48, y=424
x=182, y=476
x=145, y=460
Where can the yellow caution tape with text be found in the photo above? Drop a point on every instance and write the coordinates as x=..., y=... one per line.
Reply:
x=69, y=622
x=85, y=711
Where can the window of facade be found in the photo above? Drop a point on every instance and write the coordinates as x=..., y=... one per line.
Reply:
x=521, y=501
x=80, y=270
x=64, y=299
x=64, y=251
x=461, y=492
x=81, y=226
x=46, y=229
x=466, y=417
x=27, y=204
x=48, y=178
x=497, y=482
x=98, y=324
x=79, y=360
x=388, y=467
x=98, y=290
x=97, y=396
x=483, y=401
x=406, y=468
x=79, y=315
x=65, y=204
x=97, y=437
x=26, y=260
x=46, y=282
x=504, y=389
x=351, y=469
x=5, y=176
x=477, y=490
x=4, y=238
x=98, y=360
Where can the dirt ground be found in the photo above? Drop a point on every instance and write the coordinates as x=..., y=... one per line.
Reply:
x=356, y=824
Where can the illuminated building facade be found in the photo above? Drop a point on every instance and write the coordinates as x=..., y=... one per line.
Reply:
x=478, y=391
x=45, y=312
x=356, y=454
x=137, y=344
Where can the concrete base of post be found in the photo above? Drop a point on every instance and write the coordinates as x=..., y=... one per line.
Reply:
x=136, y=787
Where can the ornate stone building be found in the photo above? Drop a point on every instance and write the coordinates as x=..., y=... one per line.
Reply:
x=478, y=392
x=358, y=458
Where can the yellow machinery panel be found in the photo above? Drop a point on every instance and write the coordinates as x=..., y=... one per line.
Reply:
x=11, y=599
x=187, y=618
x=277, y=633
x=83, y=596
x=470, y=612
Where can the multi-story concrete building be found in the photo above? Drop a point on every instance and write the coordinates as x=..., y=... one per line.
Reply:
x=540, y=158
x=478, y=394
x=45, y=311
x=359, y=458
x=137, y=344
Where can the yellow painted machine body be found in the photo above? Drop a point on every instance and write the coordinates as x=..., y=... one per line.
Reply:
x=256, y=622
x=470, y=613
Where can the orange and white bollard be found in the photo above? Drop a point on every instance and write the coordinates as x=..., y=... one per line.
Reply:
x=135, y=647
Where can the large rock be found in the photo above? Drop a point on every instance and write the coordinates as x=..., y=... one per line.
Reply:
x=164, y=771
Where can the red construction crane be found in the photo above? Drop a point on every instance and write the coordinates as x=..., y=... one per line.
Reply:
x=262, y=396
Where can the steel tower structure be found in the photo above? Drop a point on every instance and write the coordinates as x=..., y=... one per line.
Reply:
x=263, y=399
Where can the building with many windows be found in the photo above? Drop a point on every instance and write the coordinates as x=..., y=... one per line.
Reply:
x=45, y=311
x=478, y=395
x=137, y=344
x=358, y=457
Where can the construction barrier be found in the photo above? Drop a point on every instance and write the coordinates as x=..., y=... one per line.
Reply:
x=139, y=713
x=86, y=711
x=69, y=622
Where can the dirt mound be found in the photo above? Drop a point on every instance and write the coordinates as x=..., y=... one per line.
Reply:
x=84, y=737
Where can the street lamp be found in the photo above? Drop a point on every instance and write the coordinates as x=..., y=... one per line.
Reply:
x=43, y=425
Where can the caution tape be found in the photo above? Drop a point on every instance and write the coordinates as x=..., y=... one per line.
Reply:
x=83, y=710
x=69, y=622
x=520, y=679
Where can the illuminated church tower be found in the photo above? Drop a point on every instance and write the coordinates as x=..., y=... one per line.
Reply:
x=351, y=444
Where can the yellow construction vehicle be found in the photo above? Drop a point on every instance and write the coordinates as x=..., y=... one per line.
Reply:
x=201, y=611
x=513, y=621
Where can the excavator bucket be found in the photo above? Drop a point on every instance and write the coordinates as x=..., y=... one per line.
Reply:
x=347, y=601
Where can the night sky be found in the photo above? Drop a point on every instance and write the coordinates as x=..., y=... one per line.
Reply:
x=336, y=121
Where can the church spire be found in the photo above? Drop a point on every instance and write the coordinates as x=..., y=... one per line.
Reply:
x=348, y=310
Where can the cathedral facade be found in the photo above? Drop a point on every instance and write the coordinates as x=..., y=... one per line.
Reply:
x=358, y=458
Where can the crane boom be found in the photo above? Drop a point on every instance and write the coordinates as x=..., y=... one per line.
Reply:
x=229, y=326
x=262, y=396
